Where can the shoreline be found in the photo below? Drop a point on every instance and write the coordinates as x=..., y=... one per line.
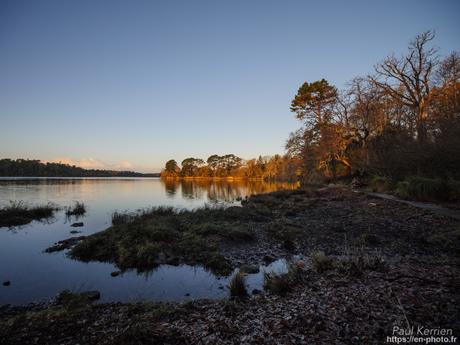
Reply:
x=379, y=255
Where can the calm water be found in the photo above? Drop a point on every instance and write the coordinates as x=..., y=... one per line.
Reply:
x=37, y=276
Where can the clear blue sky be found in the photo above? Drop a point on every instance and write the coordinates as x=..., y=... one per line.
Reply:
x=130, y=84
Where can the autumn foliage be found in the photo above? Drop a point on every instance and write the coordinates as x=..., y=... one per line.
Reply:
x=402, y=120
x=276, y=168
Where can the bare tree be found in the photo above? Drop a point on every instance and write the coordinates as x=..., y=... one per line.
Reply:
x=408, y=79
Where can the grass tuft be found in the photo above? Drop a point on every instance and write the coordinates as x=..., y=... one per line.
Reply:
x=238, y=285
x=321, y=262
x=78, y=209
x=380, y=184
x=282, y=283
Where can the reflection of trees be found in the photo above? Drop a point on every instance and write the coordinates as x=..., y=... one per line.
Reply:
x=192, y=189
x=171, y=186
x=222, y=190
x=226, y=191
x=260, y=187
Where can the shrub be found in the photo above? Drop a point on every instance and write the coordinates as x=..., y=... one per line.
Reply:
x=238, y=285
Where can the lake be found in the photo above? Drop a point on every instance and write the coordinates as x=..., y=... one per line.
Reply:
x=37, y=276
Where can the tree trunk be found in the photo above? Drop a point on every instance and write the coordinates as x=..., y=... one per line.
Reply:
x=422, y=115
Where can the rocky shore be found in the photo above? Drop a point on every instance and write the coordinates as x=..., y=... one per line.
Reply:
x=368, y=264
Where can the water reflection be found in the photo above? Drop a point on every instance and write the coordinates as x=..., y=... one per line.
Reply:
x=221, y=190
x=35, y=275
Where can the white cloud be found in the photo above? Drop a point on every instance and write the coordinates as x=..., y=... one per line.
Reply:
x=93, y=163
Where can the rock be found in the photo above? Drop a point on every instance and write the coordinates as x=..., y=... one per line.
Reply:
x=6, y=283
x=187, y=294
x=115, y=273
x=75, y=225
x=256, y=291
x=75, y=232
x=221, y=287
x=249, y=269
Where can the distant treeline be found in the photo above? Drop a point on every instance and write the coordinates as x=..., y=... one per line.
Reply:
x=35, y=168
x=276, y=168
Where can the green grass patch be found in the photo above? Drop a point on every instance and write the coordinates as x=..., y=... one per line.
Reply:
x=150, y=237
